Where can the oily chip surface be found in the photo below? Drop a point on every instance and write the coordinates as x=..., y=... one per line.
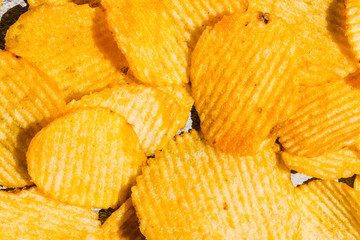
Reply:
x=28, y=101
x=353, y=25
x=221, y=195
x=82, y=58
x=242, y=76
x=156, y=114
x=89, y=157
x=157, y=36
x=27, y=214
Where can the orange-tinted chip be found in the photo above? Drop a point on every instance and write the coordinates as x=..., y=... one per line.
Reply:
x=353, y=25
x=89, y=157
x=28, y=101
x=35, y=3
x=242, y=75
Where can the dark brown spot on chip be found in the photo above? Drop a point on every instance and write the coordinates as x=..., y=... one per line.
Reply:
x=265, y=17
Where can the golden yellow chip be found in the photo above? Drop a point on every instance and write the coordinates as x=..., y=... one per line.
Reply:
x=327, y=120
x=353, y=25
x=89, y=157
x=27, y=214
x=157, y=36
x=156, y=114
x=28, y=101
x=357, y=183
x=123, y=224
x=324, y=51
x=35, y=3
x=193, y=191
x=329, y=210
x=340, y=164
x=72, y=44
x=242, y=75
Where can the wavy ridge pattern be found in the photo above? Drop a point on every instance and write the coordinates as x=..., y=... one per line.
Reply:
x=353, y=25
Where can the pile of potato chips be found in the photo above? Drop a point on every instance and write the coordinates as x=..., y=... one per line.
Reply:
x=94, y=96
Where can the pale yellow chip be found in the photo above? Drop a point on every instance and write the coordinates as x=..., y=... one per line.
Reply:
x=193, y=191
x=353, y=25
x=89, y=157
x=327, y=120
x=27, y=214
x=156, y=114
x=28, y=101
x=329, y=210
x=72, y=44
x=123, y=224
x=324, y=51
x=157, y=36
x=242, y=76
x=340, y=164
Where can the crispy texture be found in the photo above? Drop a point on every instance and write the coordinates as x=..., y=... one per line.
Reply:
x=340, y=164
x=123, y=224
x=329, y=210
x=27, y=214
x=156, y=114
x=35, y=3
x=82, y=58
x=353, y=25
x=89, y=157
x=357, y=183
x=320, y=26
x=327, y=120
x=157, y=36
x=222, y=196
x=28, y=101
x=242, y=75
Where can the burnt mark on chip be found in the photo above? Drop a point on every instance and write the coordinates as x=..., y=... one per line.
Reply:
x=17, y=56
x=124, y=70
x=265, y=17
x=225, y=206
x=246, y=23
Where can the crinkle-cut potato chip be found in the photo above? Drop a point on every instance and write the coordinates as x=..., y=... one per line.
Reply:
x=157, y=36
x=327, y=120
x=123, y=224
x=242, y=75
x=324, y=50
x=329, y=210
x=340, y=164
x=194, y=191
x=353, y=25
x=28, y=101
x=89, y=157
x=357, y=183
x=72, y=44
x=156, y=114
x=35, y=3
x=27, y=214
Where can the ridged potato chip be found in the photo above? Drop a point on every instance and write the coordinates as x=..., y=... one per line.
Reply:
x=340, y=164
x=123, y=224
x=353, y=25
x=324, y=51
x=327, y=120
x=157, y=36
x=72, y=44
x=28, y=101
x=357, y=183
x=193, y=191
x=329, y=210
x=89, y=157
x=242, y=76
x=27, y=214
x=35, y=3
x=156, y=114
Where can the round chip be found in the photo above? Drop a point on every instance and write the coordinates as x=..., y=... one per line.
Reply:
x=157, y=36
x=156, y=114
x=72, y=44
x=29, y=100
x=193, y=191
x=123, y=224
x=27, y=214
x=242, y=75
x=353, y=25
x=89, y=157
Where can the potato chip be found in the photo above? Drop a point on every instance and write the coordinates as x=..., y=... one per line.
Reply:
x=242, y=75
x=35, y=3
x=353, y=25
x=357, y=183
x=156, y=114
x=89, y=157
x=340, y=164
x=74, y=47
x=327, y=120
x=27, y=214
x=329, y=210
x=123, y=224
x=193, y=191
x=29, y=100
x=324, y=51
x=157, y=36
